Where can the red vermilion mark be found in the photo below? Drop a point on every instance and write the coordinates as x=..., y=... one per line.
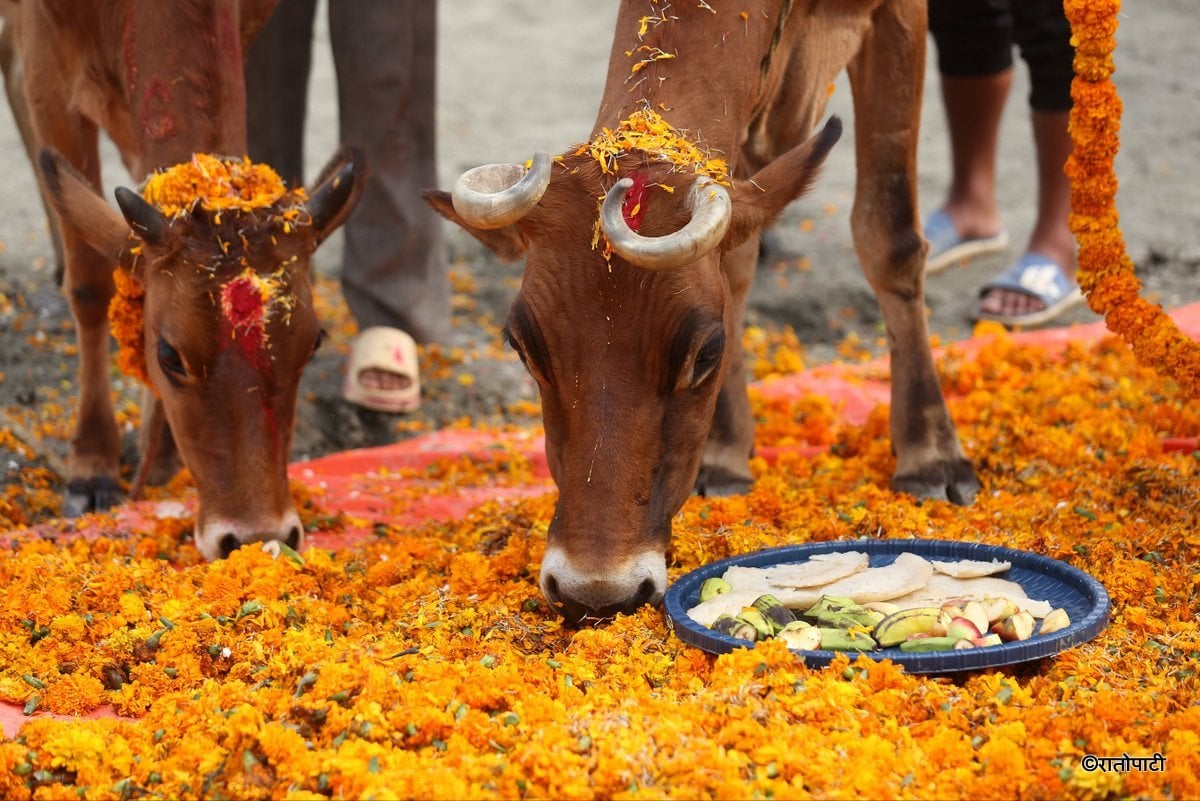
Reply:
x=244, y=308
x=244, y=302
x=156, y=118
x=634, y=207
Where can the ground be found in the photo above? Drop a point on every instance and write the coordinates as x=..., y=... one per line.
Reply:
x=522, y=76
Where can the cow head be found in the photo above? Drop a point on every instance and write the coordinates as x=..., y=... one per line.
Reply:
x=226, y=327
x=629, y=343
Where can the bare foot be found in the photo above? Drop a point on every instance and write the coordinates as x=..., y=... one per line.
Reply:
x=1006, y=302
x=974, y=223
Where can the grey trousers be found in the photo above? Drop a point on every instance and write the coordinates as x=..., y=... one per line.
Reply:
x=394, y=268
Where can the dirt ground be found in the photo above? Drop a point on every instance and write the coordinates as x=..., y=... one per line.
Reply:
x=522, y=75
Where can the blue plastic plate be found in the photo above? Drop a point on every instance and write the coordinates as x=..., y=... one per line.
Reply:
x=1043, y=578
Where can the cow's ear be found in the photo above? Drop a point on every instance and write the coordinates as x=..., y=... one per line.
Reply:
x=81, y=207
x=337, y=190
x=759, y=200
x=508, y=243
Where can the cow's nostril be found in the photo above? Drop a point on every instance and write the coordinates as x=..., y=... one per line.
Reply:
x=293, y=538
x=646, y=590
x=228, y=545
x=552, y=594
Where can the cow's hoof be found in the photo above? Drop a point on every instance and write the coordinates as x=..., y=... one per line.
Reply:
x=718, y=482
x=952, y=481
x=95, y=494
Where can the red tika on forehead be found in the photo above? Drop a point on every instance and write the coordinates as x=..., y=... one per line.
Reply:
x=245, y=302
x=634, y=207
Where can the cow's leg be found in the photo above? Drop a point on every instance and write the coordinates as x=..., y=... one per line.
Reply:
x=14, y=77
x=725, y=469
x=93, y=463
x=886, y=77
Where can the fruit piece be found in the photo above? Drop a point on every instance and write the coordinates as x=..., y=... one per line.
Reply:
x=755, y=618
x=974, y=612
x=943, y=623
x=714, y=586
x=724, y=624
x=953, y=609
x=796, y=625
x=1015, y=627
x=776, y=613
x=835, y=639
x=801, y=638
x=829, y=603
x=925, y=644
x=963, y=629
x=885, y=607
x=850, y=617
x=1057, y=620
x=987, y=639
x=963, y=645
x=744, y=631
x=898, y=626
x=997, y=607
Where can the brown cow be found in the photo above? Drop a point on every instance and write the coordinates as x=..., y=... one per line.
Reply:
x=165, y=80
x=637, y=351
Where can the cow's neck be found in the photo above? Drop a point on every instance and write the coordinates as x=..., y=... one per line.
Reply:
x=202, y=109
x=693, y=67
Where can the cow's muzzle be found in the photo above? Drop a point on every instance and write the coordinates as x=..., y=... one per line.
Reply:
x=578, y=594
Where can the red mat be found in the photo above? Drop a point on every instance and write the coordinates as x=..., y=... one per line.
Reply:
x=350, y=482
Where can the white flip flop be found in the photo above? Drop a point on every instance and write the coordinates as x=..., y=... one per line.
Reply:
x=387, y=350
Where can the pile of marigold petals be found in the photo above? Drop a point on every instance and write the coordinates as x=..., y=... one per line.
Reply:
x=422, y=662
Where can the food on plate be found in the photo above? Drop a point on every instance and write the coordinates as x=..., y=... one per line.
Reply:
x=818, y=570
x=915, y=604
x=942, y=589
x=970, y=568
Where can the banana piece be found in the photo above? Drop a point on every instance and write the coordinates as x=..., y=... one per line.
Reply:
x=774, y=611
x=835, y=639
x=899, y=626
x=925, y=644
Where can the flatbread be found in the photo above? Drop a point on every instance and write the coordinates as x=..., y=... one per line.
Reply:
x=729, y=603
x=907, y=573
x=970, y=568
x=821, y=569
x=941, y=589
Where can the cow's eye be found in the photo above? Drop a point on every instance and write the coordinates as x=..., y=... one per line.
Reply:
x=321, y=336
x=170, y=361
x=708, y=357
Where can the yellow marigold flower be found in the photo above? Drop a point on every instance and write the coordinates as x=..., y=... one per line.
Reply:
x=214, y=184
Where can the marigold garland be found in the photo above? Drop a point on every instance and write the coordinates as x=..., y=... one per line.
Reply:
x=126, y=318
x=1106, y=273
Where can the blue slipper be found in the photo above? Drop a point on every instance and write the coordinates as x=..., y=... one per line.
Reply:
x=946, y=246
x=1038, y=277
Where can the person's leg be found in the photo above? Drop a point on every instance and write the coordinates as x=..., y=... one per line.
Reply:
x=1044, y=37
x=974, y=49
x=973, y=106
x=394, y=271
x=277, y=68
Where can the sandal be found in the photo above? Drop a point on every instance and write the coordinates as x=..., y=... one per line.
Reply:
x=1038, y=277
x=387, y=350
x=946, y=245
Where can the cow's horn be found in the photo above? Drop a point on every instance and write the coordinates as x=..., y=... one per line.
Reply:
x=145, y=220
x=496, y=195
x=711, y=212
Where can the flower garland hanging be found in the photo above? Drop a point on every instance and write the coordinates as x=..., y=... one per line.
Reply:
x=1106, y=273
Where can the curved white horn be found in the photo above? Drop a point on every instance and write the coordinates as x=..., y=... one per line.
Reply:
x=711, y=211
x=496, y=195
